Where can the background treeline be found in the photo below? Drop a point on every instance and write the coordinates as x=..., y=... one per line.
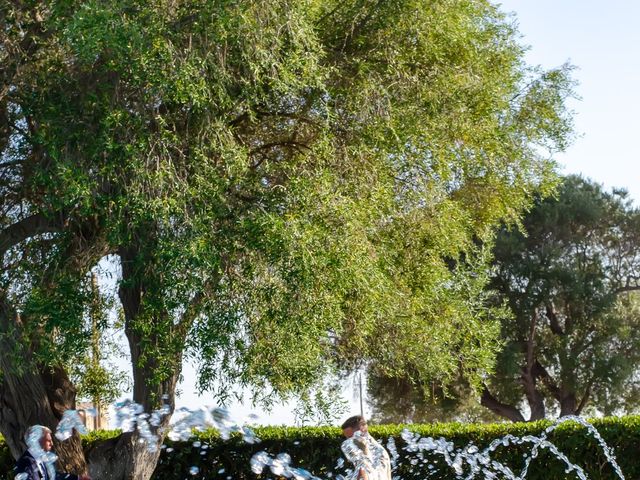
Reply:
x=569, y=345
x=317, y=449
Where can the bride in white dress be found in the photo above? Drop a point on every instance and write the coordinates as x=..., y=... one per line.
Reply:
x=370, y=460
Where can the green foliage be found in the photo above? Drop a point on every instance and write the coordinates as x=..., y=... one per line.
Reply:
x=99, y=384
x=94, y=375
x=290, y=187
x=318, y=448
x=404, y=400
x=570, y=276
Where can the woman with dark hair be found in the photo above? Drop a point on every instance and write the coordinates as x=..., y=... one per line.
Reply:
x=369, y=458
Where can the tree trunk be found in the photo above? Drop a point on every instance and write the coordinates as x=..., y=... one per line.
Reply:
x=129, y=456
x=29, y=397
x=535, y=399
x=506, y=411
x=126, y=457
x=585, y=398
x=568, y=405
x=150, y=394
x=29, y=394
x=528, y=377
x=122, y=458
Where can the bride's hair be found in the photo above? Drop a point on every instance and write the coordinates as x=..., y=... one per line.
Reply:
x=357, y=422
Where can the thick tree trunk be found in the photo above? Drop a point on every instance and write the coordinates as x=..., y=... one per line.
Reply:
x=568, y=404
x=125, y=457
x=128, y=456
x=29, y=397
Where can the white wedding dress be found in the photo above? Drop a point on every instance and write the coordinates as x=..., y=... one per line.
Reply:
x=364, y=452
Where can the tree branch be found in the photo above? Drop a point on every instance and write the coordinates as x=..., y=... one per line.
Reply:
x=554, y=323
x=585, y=397
x=541, y=372
x=627, y=288
x=507, y=411
x=28, y=227
x=193, y=309
x=291, y=144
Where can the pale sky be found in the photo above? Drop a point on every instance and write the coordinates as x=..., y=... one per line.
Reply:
x=603, y=41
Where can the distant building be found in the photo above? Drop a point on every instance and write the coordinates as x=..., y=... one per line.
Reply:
x=94, y=418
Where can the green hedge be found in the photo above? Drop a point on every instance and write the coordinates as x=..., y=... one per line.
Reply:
x=317, y=450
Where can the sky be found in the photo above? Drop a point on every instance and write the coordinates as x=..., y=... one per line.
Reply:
x=601, y=41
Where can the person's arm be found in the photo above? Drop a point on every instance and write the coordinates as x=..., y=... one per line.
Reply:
x=362, y=474
x=362, y=445
x=28, y=466
x=355, y=450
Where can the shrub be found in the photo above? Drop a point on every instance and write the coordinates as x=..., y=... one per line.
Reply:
x=317, y=449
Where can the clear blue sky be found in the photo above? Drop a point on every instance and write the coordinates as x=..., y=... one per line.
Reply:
x=602, y=40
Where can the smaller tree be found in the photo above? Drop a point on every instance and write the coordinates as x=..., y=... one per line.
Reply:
x=95, y=376
x=569, y=276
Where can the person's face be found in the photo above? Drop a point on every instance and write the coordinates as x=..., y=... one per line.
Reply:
x=46, y=442
x=348, y=432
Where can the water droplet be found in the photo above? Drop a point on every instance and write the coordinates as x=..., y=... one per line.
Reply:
x=259, y=461
x=70, y=420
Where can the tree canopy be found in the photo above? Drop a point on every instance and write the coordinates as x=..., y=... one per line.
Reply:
x=403, y=399
x=570, y=277
x=287, y=188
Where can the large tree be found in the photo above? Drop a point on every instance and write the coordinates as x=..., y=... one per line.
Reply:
x=570, y=276
x=286, y=187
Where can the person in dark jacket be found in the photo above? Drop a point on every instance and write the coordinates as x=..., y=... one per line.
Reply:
x=37, y=463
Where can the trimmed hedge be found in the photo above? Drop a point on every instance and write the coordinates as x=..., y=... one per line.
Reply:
x=317, y=449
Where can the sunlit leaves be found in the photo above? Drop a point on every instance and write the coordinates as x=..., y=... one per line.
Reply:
x=294, y=186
